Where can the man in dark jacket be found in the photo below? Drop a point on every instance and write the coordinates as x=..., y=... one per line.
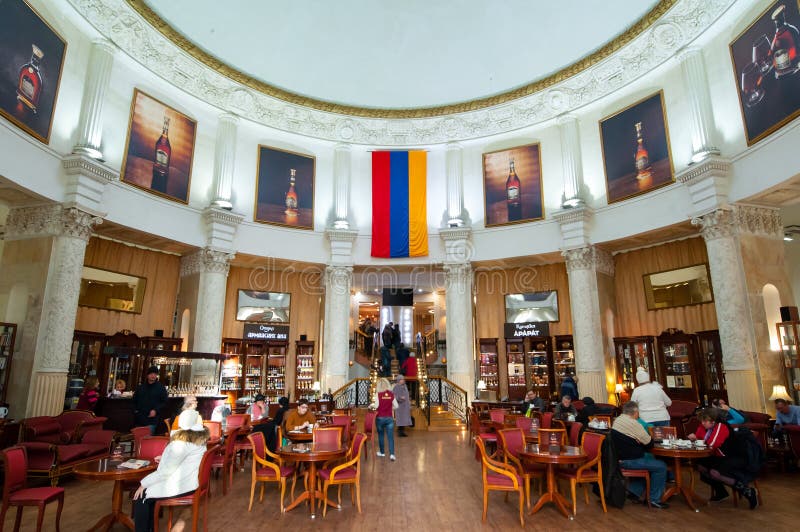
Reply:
x=570, y=387
x=387, y=335
x=402, y=354
x=148, y=400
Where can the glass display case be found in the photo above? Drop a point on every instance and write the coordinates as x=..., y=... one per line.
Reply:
x=231, y=372
x=712, y=385
x=788, y=337
x=678, y=365
x=515, y=360
x=539, y=361
x=85, y=360
x=8, y=335
x=306, y=371
x=634, y=352
x=276, y=370
x=563, y=359
x=487, y=368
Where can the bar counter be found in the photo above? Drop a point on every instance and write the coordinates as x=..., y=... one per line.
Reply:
x=119, y=410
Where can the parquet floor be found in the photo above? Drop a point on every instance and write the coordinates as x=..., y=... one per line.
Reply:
x=435, y=485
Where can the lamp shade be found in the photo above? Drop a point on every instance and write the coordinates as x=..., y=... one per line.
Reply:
x=315, y=386
x=481, y=385
x=619, y=388
x=779, y=392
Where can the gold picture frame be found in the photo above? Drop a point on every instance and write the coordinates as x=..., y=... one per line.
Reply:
x=497, y=167
x=278, y=173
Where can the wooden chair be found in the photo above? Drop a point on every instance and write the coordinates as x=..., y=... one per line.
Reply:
x=139, y=433
x=523, y=423
x=346, y=473
x=590, y=472
x=544, y=436
x=558, y=424
x=168, y=423
x=369, y=431
x=224, y=459
x=639, y=473
x=15, y=467
x=498, y=476
x=513, y=441
x=328, y=435
x=498, y=415
x=214, y=431
x=345, y=422
x=575, y=433
x=483, y=432
x=150, y=447
x=242, y=445
x=547, y=420
x=200, y=496
x=342, y=412
x=265, y=471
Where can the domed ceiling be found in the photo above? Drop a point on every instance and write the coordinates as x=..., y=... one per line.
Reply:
x=399, y=55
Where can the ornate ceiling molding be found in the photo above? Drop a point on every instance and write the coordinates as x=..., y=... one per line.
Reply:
x=592, y=78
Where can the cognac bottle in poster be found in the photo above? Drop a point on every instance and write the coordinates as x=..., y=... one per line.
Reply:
x=513, y=194
x=642, y=158
x=291, y=196
x=29, y=88
x=163, y=153
x=784, y=44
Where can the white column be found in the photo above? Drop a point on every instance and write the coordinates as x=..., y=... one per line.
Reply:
x=338, y=280
x=695, y=81
x=459, y=331
x=571, y=164
x=212, y=268
x=583, y=266
x=341, y=186
x=90, y=126
x=733, y=314
x=43, y=357
x=224, y=160
x=455, y=185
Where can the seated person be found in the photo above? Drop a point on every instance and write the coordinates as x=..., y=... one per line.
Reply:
x=631, y=441
x=729, y=415
x=564, y=409
x=88, y=399
x=189, y=403
x=590, y=409
x=725, y=466
x=533, y=402
x=258, y=409
x=300, y=418
x=785, y=414
x=119, y=388
x=270, y=428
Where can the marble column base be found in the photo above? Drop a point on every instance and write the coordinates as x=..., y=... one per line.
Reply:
x=46, y=397
x=593, y=384
x=466, y=381
x=743, y=390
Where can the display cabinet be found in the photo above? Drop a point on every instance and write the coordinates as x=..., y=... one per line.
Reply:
x=539, y=362
x=254, y=360
x=712, y=383
x=84, y=360
x=487, y=363
x=563, y=359
x=788, y=337
x=306, y=371
x=231, y=381
x=276, y=370
x=8, y=335
x=634, y=352
x=678, y=365
x=515, y=359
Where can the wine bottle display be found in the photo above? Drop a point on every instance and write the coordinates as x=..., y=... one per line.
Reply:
x=163, y=153
x=642, y=158
x=513, y=194
x=291, y=196
x=30, y=85
x=784, y=44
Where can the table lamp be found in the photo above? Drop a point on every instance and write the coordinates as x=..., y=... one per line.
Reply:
x=481, y=387
x=316, y=388
x=779, y=392
x=618, y=389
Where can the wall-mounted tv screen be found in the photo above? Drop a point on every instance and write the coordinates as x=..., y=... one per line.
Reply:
x=264, y=307
x=532, y=307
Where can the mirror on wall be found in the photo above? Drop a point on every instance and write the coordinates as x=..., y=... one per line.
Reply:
x=110, y=290
x=678, y=288
x=265, y=307
x=532, y=307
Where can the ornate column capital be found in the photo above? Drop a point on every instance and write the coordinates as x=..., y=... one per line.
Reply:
x=717, y=224
x=457, y=275
x=206, y=260
x=338, y=278
x=49, y=220
x=589, y=258
x=78, y=224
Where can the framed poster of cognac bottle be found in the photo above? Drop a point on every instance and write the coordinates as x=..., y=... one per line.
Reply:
x=636, y=153
x=31, y=58
x=285, y=188
x=159, y=148
x=512, y=185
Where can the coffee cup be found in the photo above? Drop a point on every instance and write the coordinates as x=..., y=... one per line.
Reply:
x=699, y=443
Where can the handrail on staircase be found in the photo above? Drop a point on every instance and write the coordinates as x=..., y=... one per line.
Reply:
x=442, y=390
x=356, y=393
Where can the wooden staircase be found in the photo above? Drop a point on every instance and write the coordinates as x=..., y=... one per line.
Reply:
x=444, y=421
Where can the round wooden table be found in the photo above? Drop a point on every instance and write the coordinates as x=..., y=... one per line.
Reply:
x=299, y=436
x=107, y=469
x=311, y=453
x=677, y=454
x=568, y=455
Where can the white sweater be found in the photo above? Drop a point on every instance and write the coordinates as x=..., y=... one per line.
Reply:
x=177, y=471
x=653, y=402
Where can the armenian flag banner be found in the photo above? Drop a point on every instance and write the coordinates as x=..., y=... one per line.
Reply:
x=399, y=212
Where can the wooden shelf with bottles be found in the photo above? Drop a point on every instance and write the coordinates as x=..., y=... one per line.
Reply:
x=254, y=365
x=633, y=352
x=306, y=370
x=539, y=363
x=678, y=365
x=709, y=349
x=276, y=370
x=789, y=341
x=230, y=380
x=515, y=361
x=85, y=355
x=8, y=336
x=563, y=359
x=487, y=363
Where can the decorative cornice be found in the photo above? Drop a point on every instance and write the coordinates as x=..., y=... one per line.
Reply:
x=49, y=220
x=222, y=216
x=341, y=235
x=589, y=258
x=576, y=214
x=711, y=166
x=648, y=44
x=759, y=220
x=720, y=223
x=80, y=164
x=206, y=261
x=450, y=234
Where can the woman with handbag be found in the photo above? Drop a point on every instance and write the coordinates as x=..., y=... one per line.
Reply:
x=385, y=403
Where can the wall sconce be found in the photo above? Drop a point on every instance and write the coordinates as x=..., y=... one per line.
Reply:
x=618, y=389
x=350, y=363
x=779, y=392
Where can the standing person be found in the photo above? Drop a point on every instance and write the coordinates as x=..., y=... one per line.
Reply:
x=652, y=400
x=177, y=471
x=569, y=386
x=418, y=343
x=396, y=337
x=88, y=399
x=403, y=412
x=402, y=355
x=386, y=335
x=369, y=330
x=148, y=400
x=411, y=370
x=385, y=404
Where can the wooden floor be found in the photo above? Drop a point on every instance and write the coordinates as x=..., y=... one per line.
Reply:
x=435, y=485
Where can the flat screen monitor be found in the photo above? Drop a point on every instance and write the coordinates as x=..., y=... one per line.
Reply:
x=398, y=297
x=532, y=307
x=263, y=307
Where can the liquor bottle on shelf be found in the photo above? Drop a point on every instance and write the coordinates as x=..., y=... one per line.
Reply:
x=163, y=152
x=291, y=196
x=642, y=158
x=30, y=85
x=784, y=44
x=513, y=194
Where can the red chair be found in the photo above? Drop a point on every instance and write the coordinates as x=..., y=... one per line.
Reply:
x=15, y=466
x=265, y=471
x=590, y=472
x=544, y=436
x=139, y=433
x=242, y=446
x=200, y=496
x=575, y=433
x=369, y=430
x=639, y=473
x=347, y=473
x=224, y=459
x=328, y=435
x=513, y=442
x=498, y=476
x=547, y=420
x=498, y=415
x=524, y=423
x=483, y=432
x=214, y=431
x=345, y=422
x=150, y=447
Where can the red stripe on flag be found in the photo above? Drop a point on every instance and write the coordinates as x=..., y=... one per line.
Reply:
x=381, y=200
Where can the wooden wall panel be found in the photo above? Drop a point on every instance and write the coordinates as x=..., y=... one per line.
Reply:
x=162, y=272
x=633, y=317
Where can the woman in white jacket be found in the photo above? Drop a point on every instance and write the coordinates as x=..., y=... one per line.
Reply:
x=177, y=470
x=653, y=402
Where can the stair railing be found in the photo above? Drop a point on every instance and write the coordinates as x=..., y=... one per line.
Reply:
x=445, y=392
x=355, y=393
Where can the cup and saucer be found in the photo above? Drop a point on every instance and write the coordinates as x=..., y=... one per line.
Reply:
x=700, y=445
